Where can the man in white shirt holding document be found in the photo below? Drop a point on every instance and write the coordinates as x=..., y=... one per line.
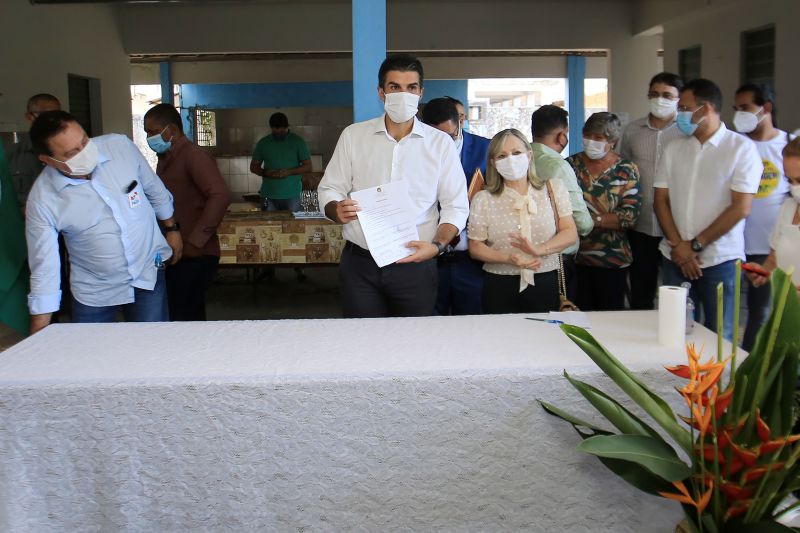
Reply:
x=397, y=186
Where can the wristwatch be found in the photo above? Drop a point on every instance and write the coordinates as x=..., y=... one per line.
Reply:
x=696, y=246
x=174, y=227
x=439, y=246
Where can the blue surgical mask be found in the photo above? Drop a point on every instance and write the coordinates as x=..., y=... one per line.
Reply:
x=158, y=144
x=684, y=121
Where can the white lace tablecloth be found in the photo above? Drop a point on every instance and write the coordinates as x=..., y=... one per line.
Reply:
x=315, y=425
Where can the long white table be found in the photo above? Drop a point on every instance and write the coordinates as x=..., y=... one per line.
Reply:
x=380, y=424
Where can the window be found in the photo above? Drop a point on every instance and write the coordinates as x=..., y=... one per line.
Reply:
x=84, y=103
x=595, y=96
x=499, y=103
x=758, y=55
x=689, y=60
x=206, y=127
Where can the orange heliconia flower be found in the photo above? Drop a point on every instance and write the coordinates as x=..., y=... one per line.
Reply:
x=686, y=498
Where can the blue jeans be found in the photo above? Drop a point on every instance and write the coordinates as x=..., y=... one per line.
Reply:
x=283, y=204
x=148, y=306
x=704, y=291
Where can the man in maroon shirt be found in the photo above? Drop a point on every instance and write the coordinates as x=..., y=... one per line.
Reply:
x=201, y=199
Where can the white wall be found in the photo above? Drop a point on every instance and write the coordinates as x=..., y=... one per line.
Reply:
x=718, y=31
x=43, y=44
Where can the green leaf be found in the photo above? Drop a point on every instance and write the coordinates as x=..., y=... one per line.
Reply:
x=632, y=386
x=621, y=418
x=738, y=526
x=633, y=473
x=555, y=411
x=652, y=454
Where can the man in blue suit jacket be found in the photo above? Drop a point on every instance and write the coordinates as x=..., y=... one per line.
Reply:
x=460, y=276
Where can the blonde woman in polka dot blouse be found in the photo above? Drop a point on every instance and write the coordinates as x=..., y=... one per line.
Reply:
x=512, y=230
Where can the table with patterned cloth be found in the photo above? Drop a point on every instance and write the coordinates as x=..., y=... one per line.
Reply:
x=302, y=425
x=249, y=236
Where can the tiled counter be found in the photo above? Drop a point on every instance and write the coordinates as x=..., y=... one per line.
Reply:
x=258, y=237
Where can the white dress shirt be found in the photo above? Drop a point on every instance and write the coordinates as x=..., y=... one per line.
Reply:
x=367, y=156
x=643, y=144
x=700, y=179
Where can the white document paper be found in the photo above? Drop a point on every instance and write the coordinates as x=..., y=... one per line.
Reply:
x=573, y=318
x=387, y=219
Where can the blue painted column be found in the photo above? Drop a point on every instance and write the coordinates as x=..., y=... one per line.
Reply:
x=576, y=74
x=165, y=75
x=369, y=51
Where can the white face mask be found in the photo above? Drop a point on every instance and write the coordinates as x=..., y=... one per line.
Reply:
x=401, y=107
x=663, y=107
x=745, y=121
x=514, y=167
x=460, y=142
x=594, y=149
x=795, y=189
x=84, y=162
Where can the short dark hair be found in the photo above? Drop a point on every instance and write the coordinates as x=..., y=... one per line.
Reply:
x=440, y=110
x=164, y=114
x=402, y=63
x=36, y=98
x=705, y=92
x=548, y=119
x=667, y=78
x=762, y=93
x=278, y=120
x=604, y=123
x=46, y=126
x=455, y=100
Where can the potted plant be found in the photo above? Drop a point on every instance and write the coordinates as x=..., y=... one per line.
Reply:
x=737, y=435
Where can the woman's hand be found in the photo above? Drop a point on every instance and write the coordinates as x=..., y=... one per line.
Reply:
x=520, y=261
x=756, y=279
x=521, y=243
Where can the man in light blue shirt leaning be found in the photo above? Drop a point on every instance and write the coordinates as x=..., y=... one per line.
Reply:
x=550, y=132
x=102, y=196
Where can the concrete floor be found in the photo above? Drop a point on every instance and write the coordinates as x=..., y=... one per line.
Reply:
x=235, y=297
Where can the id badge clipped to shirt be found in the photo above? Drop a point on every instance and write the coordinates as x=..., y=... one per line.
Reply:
x=134, y=199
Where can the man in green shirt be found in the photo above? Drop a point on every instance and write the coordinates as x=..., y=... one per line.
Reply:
x=550, y=130
x=281, y=159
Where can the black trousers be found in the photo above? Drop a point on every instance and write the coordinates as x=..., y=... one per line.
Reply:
x=501, y=294
x=644, y=269
x=187, y=282
x=367, y=290
x=601, y=289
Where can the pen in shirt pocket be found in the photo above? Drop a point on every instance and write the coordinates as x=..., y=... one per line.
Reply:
x=132, y=185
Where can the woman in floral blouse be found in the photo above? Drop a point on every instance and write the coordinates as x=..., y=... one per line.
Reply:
x=610, y=187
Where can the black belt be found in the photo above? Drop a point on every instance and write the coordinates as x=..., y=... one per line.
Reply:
x=356, y=249
x=455, y=256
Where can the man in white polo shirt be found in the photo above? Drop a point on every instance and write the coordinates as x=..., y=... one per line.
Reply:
x=394, y=147
x=704, y=189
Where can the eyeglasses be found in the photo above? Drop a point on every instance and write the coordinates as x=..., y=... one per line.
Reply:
x=667, y=96
x=687, y=108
